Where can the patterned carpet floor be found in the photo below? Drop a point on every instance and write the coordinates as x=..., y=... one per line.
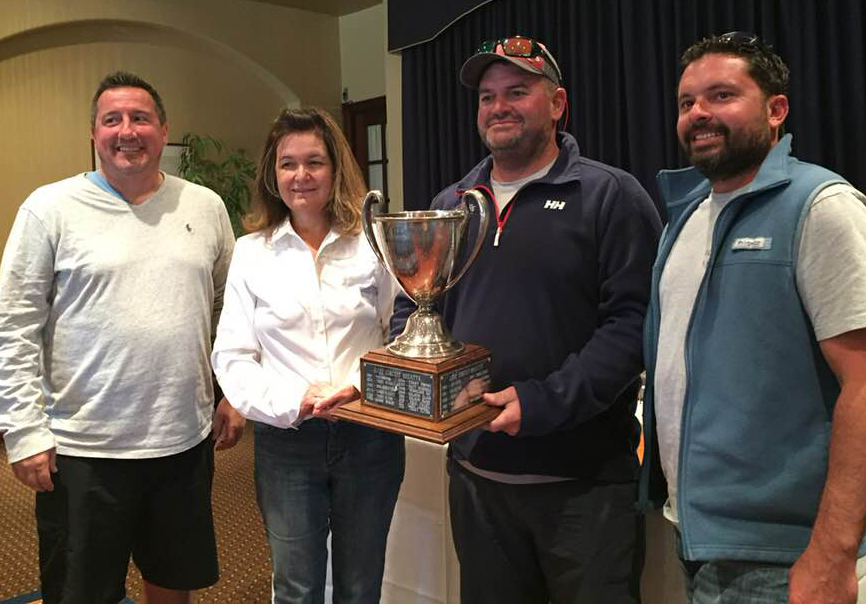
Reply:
x=243, y=551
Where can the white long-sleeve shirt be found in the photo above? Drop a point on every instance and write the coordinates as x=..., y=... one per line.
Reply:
x=290, y=320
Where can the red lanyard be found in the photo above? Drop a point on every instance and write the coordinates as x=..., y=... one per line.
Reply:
x=500, y=224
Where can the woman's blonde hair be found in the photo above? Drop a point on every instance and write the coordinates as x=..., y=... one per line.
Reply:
x=267, y=209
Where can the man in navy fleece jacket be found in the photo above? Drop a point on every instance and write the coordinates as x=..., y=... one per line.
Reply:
x=542, y=499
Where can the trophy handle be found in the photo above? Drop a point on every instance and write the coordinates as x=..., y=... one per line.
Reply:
x=483, y=219
x=367, y=220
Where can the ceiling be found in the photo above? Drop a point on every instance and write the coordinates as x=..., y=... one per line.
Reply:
x=329, y=7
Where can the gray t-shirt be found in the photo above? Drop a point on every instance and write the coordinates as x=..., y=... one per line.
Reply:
x=106, y=320
x=831, y=279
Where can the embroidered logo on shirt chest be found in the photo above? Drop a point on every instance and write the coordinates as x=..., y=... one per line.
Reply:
x=552, y=204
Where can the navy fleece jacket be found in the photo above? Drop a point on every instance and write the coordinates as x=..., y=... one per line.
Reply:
x=560, y=303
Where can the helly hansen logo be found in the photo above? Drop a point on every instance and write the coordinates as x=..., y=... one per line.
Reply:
x=552, y=204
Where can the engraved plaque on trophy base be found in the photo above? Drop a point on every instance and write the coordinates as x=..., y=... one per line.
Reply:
x=431, y=399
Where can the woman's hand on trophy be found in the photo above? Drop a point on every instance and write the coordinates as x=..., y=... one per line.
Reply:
x=508, y=420
x=323, y=407
x=316, y=392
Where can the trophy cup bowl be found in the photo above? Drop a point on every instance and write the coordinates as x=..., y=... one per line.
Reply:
x=425, y=383
x=420, y=250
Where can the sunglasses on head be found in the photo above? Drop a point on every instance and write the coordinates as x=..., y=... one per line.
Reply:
x=745, y=39
x=740, y=37
x=518, y=46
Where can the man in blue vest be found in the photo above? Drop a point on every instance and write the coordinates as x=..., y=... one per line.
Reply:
x=756, y=346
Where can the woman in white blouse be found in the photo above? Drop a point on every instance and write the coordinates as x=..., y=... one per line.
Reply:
x=305, y=298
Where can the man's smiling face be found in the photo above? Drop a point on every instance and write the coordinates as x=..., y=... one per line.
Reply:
x=127, y=133
x=725, y=126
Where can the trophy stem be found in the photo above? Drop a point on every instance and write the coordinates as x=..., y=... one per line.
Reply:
x=425, y=337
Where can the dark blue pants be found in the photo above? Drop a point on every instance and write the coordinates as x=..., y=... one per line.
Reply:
x=562, y=542
x=326, y=477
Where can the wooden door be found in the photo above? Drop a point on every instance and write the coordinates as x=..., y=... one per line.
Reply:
x=364, y=124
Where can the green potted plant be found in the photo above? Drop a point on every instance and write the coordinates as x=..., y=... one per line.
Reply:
x=228, y=172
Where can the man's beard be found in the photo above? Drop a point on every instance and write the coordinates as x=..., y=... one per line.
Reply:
x=741, y=152
x=525, y=144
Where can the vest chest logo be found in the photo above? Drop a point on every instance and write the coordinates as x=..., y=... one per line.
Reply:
x=552, y=204
x=752, y=243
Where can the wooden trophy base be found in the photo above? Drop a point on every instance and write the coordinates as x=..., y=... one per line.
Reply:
x=440, y=432
x=432, y=399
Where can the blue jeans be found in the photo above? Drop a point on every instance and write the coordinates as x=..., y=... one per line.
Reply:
x=338, y=477
x=734, y=581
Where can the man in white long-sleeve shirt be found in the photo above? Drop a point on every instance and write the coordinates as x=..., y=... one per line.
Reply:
x=110, y=286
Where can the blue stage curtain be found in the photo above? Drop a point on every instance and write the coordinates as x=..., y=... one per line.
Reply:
x=620, y=61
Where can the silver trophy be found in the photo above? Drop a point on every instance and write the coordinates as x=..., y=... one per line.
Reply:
x=425, y=384
x=420, y=250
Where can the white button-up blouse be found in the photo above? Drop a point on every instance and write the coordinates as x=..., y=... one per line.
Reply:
x=289, y=320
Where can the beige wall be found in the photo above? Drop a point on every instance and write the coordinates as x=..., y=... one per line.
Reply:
x=394, y=83
x=223, y=68
x=362, y=53
x=394, y=95
x=368, y=71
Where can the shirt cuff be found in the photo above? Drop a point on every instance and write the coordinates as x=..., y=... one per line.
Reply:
x=21, y=444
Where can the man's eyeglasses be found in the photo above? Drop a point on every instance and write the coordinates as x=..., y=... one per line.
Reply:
x=518, y=46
